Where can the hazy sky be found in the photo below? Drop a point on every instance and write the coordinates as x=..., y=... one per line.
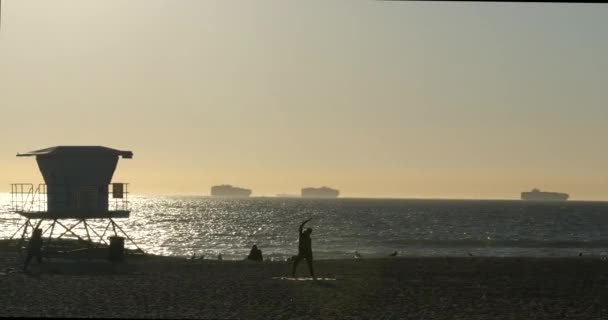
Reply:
x=396, y=99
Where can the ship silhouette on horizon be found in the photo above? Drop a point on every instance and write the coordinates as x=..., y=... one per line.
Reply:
x=228, y=191
x=537, y=195
x=322, y=192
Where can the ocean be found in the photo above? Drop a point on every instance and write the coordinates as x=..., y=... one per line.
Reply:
x=186, y=225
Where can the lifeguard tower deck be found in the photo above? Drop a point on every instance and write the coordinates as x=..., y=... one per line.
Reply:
x=78, y=186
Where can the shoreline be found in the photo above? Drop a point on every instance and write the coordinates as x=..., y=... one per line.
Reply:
x=584, y=250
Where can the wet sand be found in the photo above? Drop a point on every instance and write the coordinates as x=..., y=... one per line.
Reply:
x=391, y=288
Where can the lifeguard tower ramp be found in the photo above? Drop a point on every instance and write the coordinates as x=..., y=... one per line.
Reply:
x=78, y=188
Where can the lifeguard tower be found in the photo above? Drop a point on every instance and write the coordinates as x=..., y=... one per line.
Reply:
x=78, y=188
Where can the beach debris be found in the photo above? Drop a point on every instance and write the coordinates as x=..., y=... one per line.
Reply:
x=394, y=254
x=10, y=270
x=192, y=257
x=358, y=255
x=219, y=256
x=580, y=254
x=469, y=254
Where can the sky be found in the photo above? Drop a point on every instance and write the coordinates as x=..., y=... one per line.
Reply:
x=376, y=99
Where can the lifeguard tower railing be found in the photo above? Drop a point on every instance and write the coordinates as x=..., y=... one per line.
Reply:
x=36, y=202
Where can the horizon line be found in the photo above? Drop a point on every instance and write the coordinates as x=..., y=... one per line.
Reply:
x=164, y=194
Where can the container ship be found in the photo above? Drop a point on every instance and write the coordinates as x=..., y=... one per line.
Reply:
x=537, y=195
x=323, y=192
x=228, y=191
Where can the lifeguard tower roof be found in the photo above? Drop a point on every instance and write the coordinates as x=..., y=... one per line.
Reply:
x=70, y=151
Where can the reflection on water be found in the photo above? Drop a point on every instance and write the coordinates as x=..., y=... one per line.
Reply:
x=185, y=225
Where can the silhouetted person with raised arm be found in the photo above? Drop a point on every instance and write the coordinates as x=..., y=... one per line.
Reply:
x=34, y=248
x=304, y=250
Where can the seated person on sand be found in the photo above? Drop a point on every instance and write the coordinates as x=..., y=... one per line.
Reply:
x=34, y=248
x=255, y=254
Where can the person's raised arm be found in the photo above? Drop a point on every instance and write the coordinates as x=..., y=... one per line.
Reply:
x=303, y=223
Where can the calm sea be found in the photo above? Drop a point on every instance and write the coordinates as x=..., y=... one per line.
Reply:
x=181, y=226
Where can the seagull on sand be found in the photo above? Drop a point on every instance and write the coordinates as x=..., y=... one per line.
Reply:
x=580, y=254
x=193, y=257
x=219, y=256
x=357, y=255
x=394, y=254
x=469, y=253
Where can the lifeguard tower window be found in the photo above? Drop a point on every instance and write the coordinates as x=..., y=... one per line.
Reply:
x=117, y=190
x=76, y=184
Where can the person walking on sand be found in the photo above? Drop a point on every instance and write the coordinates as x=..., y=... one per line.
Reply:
x=304, y=250
x=34, y=248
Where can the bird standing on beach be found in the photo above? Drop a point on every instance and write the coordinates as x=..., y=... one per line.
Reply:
x=358, y=255
x=219, y=256
x=469, y=253
x=394, y=254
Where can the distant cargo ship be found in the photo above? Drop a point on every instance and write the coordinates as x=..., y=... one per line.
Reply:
x=538, y=195
x=323, y=192
x=227, y=190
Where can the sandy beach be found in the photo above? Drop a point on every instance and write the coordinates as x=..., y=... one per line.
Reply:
x=391, y=288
